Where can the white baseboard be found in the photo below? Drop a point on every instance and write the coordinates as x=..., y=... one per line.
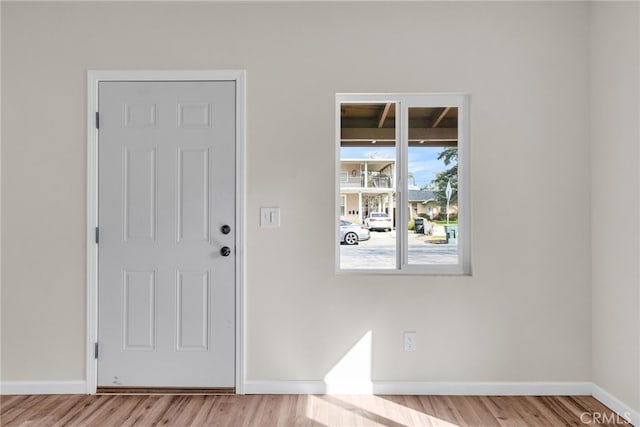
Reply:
x=625, y=412
x=409, y=387
x=284, y=387
x=43, y=387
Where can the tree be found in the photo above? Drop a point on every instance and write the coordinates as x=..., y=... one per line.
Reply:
x=450, y=157
x=412, y=178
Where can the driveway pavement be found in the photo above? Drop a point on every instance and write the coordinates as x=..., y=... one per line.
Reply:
x=379, y=252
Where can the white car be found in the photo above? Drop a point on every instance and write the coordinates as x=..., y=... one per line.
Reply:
x=378, y=221
x=351, y=234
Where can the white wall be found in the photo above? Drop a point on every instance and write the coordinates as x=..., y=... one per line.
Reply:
x=524, y=315
x=615, y=182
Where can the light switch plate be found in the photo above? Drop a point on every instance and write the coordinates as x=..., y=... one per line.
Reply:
x=269, y=217
x=409, y=340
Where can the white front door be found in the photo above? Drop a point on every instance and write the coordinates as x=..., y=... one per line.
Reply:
x=166, y=255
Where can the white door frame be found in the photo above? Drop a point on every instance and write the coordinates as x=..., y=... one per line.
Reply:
x=93, y=78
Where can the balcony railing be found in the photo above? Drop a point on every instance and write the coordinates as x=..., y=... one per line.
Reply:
x=371, y=180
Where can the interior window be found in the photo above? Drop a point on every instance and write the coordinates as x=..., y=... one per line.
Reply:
x=402, y=183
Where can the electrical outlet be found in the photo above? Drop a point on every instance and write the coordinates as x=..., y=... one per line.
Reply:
x=409, y=341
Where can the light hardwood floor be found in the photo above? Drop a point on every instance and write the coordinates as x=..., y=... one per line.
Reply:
x=302, y=410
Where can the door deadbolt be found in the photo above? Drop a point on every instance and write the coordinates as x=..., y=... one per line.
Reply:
x=225, y=229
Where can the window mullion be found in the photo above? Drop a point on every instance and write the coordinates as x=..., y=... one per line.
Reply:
x=464, y=248
x=402, y=138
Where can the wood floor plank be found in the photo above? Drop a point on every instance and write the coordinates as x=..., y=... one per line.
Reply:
x=76, y=415
x=233, y=413
x=138, y=411
x=444, y=408
x=9, y=402
x=303, y=411
x=592, y=412
x=18, y=407
x=462, y=404
x=425, y=408
x=534, y=416
x=287, y=412
x=176, y=410
x=268, y=409
x=311, y=411
x=502, y=408
x=417, y=415
x=548, y=407
x=207, y=413
x=482, y=412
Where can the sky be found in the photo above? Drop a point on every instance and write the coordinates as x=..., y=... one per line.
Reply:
x=423, y=161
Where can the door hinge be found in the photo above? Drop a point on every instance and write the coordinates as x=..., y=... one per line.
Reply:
x=97, y=235
x=97, y=120
x=95, y=350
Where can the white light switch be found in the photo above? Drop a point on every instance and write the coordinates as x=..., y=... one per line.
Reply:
x=409, y=341
x=269, y=217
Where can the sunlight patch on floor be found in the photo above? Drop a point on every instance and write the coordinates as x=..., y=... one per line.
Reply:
x=367, y=411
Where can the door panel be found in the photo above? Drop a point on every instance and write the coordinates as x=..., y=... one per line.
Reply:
x=139, y=305
x=166, y=295
x=140, y=183
x=193, y=194
x=193, y=311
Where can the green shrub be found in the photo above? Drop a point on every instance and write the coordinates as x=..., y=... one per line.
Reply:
x=411, y=225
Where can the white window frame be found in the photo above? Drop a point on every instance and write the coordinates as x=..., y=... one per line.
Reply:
x=403, y=102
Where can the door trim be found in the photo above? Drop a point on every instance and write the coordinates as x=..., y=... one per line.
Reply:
x=93, y=78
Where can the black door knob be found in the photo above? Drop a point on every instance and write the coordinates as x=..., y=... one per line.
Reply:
x=225, y=229
x=225, y=251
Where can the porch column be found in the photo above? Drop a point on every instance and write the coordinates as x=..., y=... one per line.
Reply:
x=366, y=175
x=391, y=204
x=360, y=206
